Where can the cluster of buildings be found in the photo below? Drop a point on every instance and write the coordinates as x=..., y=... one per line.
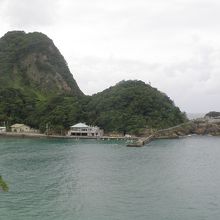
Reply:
x=77, y=130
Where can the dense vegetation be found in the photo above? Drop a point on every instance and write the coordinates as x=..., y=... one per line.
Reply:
x=38, y=90
x=58, y=112
x=131, y=105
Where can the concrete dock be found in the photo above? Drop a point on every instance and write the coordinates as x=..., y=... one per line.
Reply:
x=141, y=141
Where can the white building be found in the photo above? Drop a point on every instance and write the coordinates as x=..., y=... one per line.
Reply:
x=20, y=128
x=84, y=130
x=2, y=129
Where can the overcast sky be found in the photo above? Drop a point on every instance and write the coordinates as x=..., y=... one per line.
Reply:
x=174, y=44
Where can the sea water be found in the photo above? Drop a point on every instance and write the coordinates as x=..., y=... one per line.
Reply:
x=105, y=180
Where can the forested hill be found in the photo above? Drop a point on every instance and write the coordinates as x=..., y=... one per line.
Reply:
x=131, y=105
x=31, y=62
x=36, y=85
x=37, y=88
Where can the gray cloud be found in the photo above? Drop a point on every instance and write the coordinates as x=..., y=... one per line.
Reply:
x=27, y=13
x=193, y=84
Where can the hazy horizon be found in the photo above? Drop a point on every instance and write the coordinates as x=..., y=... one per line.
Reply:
x=172, y=44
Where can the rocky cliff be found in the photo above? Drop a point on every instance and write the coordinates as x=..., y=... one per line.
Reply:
x=31, y=62
x=198, y=127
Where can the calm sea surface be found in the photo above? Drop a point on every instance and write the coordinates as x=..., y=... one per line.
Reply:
x=105, y=180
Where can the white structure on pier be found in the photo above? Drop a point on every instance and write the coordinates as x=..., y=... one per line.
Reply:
x=84, y=130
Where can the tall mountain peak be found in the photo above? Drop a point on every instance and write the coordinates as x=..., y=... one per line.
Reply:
x=31, y=61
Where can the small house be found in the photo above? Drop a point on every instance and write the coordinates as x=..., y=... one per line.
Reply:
x=83, y=130
x=20, y=128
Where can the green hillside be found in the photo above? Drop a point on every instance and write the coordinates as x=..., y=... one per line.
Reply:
x=31, y=62
x=33, y=73
x=37, y=88
x=131, y=105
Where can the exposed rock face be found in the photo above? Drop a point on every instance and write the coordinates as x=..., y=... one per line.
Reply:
x=199, y=127
x=32, y=62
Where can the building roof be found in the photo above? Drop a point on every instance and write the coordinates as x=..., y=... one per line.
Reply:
x=18, y=125
x=80, y=125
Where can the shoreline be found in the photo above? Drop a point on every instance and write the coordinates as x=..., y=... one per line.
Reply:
x=34, y=135
x=135, y=141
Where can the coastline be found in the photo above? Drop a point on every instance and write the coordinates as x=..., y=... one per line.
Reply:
x=193, y=127
x=35, y=135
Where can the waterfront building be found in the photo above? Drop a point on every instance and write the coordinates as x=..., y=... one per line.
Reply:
x=20, y=128
x=81, y=129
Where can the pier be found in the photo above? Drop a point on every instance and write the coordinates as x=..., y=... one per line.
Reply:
x=141, y=141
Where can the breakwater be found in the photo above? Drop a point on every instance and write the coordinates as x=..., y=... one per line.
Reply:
x=201, y=126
